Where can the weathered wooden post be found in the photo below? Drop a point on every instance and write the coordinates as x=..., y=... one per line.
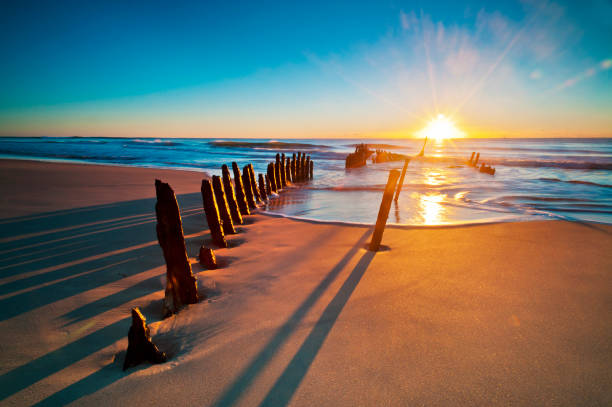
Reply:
x=472, y=157
x=475, y=163
x=268, y=187
x=262, y=188
x=272, y=177
x=277, y=175
x=293, y=174
x=226, y=219
x=288, y=171
x=212, y=214
x=401, y=180
x=283, y=175
x=302, y=167
x=248, y=188
x=254, y=184
x=240, y=197
x=207, y=258
x=140, y=347
x=383, y=212
x=230, y=197
x=307, y=169
x=311, y=169
x=298, y=166
x=181, y=285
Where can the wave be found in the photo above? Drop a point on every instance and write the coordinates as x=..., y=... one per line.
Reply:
x=272, y=145
x=152, y=142
x=566, y=164
x=579, y=182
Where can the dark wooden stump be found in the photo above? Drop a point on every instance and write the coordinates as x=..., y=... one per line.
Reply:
x=272, y=177
x=311, y=169
x=277, y=173
x=248, y=188
x=283, y=175
x=207, y=258
x=212, y=214
x=254, y=184
x=401, y=180
x=298, y=167
x=230, y=196
x=383, y=212
x=181, y=286
x=293, y=174
x=262, y=188
x=240, y=196
x=268, y=187
x=226, y=219
x=307, y=169
x=140, y=347
x=288, y=171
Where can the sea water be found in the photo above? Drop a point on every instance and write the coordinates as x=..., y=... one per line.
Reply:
x=535, y=178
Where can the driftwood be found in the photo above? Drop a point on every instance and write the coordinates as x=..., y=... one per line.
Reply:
x=254, y=184
x=140, y=347
x=240, y=197
x=383, y=212
x=212, y=214
x=262, y=188
x=230, y=196
x=248, y=187
x=181, y=286
x=226, y=219
x=268, y=187
x=207, y=258
x=401, y=180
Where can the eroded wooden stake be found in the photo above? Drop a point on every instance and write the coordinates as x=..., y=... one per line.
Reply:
x=272, y=177
x=212, y=214
x=230, y=196
x=383, y=212
x=262, y=188
x=240, y=197
x=140, y=347
x=248, y=187
x=254, y=184
x=401, y=180
x=181, y=285
x=224, y=214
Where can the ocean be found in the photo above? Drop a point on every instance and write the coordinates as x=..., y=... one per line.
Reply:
x=567, y=179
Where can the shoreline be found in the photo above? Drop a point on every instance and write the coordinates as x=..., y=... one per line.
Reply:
x=167, y=170
x=298, y=313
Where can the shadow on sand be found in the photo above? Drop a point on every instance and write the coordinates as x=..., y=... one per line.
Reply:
x=49, y=257
x=295, y=371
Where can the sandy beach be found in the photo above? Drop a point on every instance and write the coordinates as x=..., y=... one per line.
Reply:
x=300, y=313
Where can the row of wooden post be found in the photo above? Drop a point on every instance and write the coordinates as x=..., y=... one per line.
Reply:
x=225, y=205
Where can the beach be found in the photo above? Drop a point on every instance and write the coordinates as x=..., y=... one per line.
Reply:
x=299, y=313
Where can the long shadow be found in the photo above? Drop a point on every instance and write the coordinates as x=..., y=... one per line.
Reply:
x=30, y=373
x=289, y=381
x=103, y=260
x=259, y=362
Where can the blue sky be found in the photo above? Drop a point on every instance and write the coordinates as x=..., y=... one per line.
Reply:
x=304, y=69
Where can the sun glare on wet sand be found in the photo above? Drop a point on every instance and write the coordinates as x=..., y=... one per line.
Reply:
x=441, y=128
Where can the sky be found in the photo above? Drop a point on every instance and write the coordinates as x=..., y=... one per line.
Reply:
x=531, y=68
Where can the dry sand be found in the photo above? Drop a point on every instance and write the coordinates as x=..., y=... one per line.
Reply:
x=300, y=313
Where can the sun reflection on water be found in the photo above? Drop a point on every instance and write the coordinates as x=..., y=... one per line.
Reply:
x=431, y=210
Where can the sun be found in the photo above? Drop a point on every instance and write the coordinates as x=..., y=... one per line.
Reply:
x=440, y=128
